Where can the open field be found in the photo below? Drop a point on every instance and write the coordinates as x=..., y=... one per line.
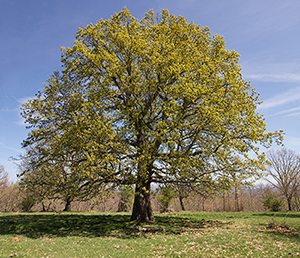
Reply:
x=198, y=234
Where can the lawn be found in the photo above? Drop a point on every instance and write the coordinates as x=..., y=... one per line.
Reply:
x=193, y=234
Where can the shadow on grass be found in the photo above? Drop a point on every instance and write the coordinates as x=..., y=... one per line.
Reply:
x=292, y=235
x=278, y=227
x=283, y=231
x=37, y=225
x=278, y=214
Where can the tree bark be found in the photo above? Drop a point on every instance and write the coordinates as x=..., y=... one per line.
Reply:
x=104, y=205
x=142, y=210
x=236, y=196
x=289, y=204
x=43, y=205
x=68, y=205
x=181, y=202
x=228, y=202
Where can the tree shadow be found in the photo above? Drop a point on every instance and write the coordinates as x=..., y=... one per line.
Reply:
x=293, y=235
x=279, y=228
x=118, y=225
x=38, y=225
x=278, y=214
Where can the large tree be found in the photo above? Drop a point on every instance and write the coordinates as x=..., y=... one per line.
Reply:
x=284, y=170
x=156, y=100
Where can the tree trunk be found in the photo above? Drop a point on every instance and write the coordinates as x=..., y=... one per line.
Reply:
x=104, y=205
x=289, y=204
x=297, y=203
x=236, y=196
x=251, y=200
x=48, y=208
x=142, y=210
x=228, y=202
x=43, y=205
x=68, y=205
x=181, y=202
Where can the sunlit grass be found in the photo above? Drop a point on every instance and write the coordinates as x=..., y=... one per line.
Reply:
x=184, y=235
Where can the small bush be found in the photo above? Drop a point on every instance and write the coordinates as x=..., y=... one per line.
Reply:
x=125, y=202
x=167, y=194
x=27, y=203
x=272, y=203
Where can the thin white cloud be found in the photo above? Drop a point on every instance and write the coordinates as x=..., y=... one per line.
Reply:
x=281, y=99
x=21, y=122
x=268, y=77
x=286, y=111
x=21, y=101
x=294, y=114
x=290, y=142
x=10, y=148
x=270, y=71
x=24, y=99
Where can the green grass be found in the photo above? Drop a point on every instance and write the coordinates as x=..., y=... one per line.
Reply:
x=203, y=234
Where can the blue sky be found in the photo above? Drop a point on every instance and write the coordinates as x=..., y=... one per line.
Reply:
x=266, y=33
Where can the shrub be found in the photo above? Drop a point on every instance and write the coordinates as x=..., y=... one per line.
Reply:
x=272, y=203
x=125, y=202
x=27, y=203
x=167, y=194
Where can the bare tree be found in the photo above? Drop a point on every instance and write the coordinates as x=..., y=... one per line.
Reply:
x=285, y=170
x=9, y=192
x=3, y=176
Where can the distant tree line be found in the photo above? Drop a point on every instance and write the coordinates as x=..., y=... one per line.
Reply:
x=46, y=189
x=15, y=197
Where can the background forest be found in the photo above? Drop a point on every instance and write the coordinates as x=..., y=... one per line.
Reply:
x=14, y=198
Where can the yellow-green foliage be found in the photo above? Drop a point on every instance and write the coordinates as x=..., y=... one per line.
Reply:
x=155, y=100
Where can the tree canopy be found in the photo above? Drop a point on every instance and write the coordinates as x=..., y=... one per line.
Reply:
x=158, y=100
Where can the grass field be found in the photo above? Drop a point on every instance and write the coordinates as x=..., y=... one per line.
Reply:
x=212, y=234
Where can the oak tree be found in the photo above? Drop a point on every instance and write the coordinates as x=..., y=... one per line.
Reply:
x=149, y=101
